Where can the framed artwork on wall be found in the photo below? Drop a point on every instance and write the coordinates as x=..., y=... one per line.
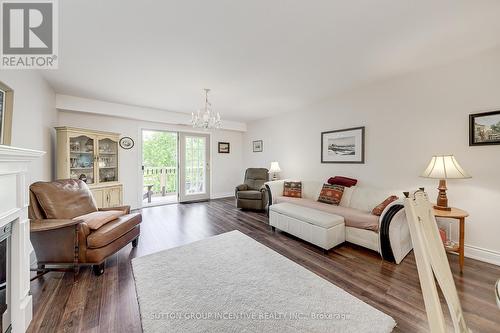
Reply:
x=126, y=142
x=258, y=146
x=224, y=147
x=6, y=109
x=484, y=129
x=343, y=146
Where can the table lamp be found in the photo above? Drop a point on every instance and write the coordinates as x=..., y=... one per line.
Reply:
x=444, y=167
x=274, y=169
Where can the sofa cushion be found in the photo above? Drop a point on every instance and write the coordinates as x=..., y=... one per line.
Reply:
x=64, y=199
x=331, y=194
x=380, y=207
x=342, y=181
x=95, y=220
x=346, y=196
x=311, y=189
x=292, y=189
x=366, y=198
x=113, y=230
x=309, y=215
x=353, y=217
x=251, y=194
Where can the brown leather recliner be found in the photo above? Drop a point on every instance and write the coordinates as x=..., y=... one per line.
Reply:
x=54, y=205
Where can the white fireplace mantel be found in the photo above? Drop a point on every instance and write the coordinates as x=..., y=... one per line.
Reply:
x=14, y=201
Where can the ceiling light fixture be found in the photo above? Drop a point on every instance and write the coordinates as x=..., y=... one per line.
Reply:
x=205, y=118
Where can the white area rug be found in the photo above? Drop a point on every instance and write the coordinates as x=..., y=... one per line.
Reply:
x=231, y=283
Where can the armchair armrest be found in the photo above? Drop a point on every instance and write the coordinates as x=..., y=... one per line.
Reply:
x=51, y=224
x=265, y=195
x=55, y=240
x=242, y=187
x=125, y=208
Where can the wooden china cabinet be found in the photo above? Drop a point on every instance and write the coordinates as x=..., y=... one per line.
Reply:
x=93, y=157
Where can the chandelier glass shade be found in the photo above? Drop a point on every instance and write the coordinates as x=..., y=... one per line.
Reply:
x=206, y=118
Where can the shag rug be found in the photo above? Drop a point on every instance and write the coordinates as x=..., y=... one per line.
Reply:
x=232, y=283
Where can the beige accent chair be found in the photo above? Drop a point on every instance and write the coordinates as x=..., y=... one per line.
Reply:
x=252, y=194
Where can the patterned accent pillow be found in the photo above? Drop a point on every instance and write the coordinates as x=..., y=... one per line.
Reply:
x=380, y=207
x=292, y=189
x=331, y=194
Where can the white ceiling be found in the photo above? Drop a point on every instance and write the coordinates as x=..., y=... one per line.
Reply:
x=260, y=57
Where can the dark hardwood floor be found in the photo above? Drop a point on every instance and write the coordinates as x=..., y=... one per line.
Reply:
x=108, y=303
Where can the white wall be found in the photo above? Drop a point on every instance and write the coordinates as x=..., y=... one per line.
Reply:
x=226, y=168
x=34, y=117
x=407, y=120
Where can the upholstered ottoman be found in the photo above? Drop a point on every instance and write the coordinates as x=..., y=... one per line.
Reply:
x=317, y=227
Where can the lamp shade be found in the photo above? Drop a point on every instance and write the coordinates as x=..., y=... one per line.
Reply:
x=275, y=167
x=444, y=167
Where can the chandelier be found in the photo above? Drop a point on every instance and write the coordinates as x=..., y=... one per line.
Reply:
x=206, y=118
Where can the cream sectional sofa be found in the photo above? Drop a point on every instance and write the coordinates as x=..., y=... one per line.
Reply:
x=387, y=234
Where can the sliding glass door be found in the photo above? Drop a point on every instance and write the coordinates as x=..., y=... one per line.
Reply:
x=194, y=167
x=159, y=167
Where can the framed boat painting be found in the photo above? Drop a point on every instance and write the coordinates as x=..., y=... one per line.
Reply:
x=224, y=147
x=343, y=146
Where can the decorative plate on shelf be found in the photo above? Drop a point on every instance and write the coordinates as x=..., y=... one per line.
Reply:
x=126, y=142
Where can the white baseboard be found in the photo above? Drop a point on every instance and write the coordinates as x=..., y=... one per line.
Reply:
x=222, y=195
x=489, y=256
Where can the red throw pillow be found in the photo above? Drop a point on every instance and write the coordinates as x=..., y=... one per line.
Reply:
x=380, y=207
x=342, y=181
x=292, y=189
x=331, y=194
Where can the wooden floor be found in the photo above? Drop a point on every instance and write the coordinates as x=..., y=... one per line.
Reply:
x=108, y=303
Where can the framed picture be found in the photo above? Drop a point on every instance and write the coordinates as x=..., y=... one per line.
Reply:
x=126, y=142
x=258, y=146
x=484, y=129
x=224, y=147
x=343, y=146
x=6, y=106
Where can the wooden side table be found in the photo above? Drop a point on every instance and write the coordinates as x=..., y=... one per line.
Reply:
x=459, y=215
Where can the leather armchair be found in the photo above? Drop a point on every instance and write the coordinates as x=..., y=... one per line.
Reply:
x=60, y=239
x=252, y=194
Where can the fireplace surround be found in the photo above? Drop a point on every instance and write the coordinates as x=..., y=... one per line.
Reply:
x=14, y=199
x=5, y=234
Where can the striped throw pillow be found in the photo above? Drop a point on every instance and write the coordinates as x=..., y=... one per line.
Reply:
x=292, y=189
x=380, y=207
x=331, y=194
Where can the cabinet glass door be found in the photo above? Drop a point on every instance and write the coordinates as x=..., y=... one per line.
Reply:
x=108, y=160
x=81, y=158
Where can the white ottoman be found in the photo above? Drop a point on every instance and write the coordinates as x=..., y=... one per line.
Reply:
x=319, y=228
